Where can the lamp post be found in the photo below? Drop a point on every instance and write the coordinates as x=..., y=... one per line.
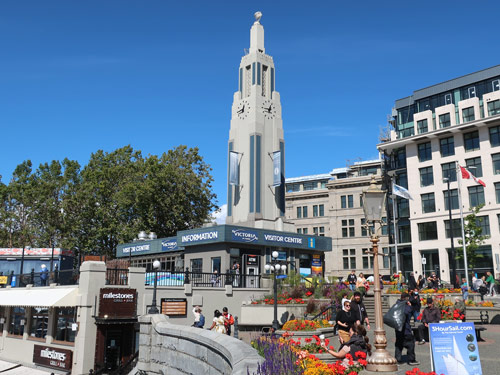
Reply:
x=453, y=260
x=373, y=206
x=154, y=309
x=275, y=267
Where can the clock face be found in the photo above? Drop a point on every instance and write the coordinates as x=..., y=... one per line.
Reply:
x=268, y=109
x=243, y=109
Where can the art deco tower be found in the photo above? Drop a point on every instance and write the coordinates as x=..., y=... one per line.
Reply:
x=257, y=198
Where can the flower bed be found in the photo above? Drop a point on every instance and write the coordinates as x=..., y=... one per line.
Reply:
x=471, y=303
x=416, y=371
x=305, y=325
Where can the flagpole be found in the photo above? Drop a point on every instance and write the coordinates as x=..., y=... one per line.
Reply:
x=459, y=173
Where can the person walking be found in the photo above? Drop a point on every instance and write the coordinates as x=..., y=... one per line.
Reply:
x=465, y=289
x=44, y=275
x=228, y=320
x=405, y=338
x=412, y=283
x=431, y=314
x=345, y=320
x=218, y=322
x=490, y=280
x=361, y=284
x=351, y=279
x=416, y=305
x=420, y=282
x=359, y=310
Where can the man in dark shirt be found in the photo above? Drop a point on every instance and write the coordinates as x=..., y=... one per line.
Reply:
x=431, y=314
x=351, y=279
x=358, y=308
x=405, y=338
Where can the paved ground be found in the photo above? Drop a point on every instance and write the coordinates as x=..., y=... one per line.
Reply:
x=488, y=352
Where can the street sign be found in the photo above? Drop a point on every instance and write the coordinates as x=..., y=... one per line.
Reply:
x=424, y=260
x=281, y=276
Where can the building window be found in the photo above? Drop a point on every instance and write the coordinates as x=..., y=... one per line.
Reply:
x=315, y=210
x=346, y=201
x=299, y=230
x=304, y=211
x=495, y=158
x=403, y=207
x=468, y=114
x=444, y=120
x=291, y=188
x=449, y=171
x=63, y=330
x=454, y=199
x=310, y=185
x=322, y=231
x=383, y=228
x=305, y=230
x=494, y=108
x=484, y=223
x=457, y=228
x=424, y=151
x=422, y=126
x=447, y=146
x=349, y=259
x=402, y=179
x=299, y=212
x=495, y=85
x=495, y=136
x=348, y=228
x=386, y=257
x=497, y=191
x=197, y=265
x=471, y=141
x=426, y=177
x=475, y=163
x=321, y=210
x=367, y=259
x=364, y=232
x=476, y=196
x=17, y=320
x=427, y=231
x=428, y=203
x=39, y=322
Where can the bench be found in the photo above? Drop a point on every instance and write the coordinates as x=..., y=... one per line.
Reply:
x=478, y=333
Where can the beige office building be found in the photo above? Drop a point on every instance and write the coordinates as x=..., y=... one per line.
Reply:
x=330, y=205
x=457, y=121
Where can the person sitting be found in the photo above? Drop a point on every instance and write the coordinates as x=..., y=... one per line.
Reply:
x=358, y=342
x=431, y=314
x=199, y=320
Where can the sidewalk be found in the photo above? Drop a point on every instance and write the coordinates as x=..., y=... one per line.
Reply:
x=488, y=352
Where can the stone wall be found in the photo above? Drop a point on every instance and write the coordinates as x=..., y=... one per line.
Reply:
x=166, y=348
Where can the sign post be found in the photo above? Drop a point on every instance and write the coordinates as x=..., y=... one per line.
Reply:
x=424, y=262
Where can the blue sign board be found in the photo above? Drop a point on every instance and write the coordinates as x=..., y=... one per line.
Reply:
x=311, y=242
x=281, y=276
x=243, y=235
x=200, y=237
x=283, y=238
x=169, y=244
x=454, y=349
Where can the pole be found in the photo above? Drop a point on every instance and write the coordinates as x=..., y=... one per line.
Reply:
x=52, y=258
x=22, y=262
x=275, y=295
x=380, y=360
x=459, y=172
x=394, y=200
x=453, y=260
x=154, y=309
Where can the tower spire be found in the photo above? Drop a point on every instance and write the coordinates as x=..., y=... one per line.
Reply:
x=257, y=35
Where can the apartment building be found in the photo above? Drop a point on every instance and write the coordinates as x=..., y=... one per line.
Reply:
x=456, y=121
x=330, y=205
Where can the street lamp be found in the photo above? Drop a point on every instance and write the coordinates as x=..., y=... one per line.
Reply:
x=373, y=207
x=154, y=309
x=453, y=260
x=275, y=268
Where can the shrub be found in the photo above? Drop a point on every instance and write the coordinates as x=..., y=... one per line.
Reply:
x=312, y=306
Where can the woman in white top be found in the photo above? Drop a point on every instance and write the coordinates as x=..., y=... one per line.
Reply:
x=218, y=322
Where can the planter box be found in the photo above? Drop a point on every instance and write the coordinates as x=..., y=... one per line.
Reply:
x=392, y=298
x=263, y=315
x=328, y=332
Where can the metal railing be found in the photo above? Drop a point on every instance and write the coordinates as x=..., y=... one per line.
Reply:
x=66, y=277
x=203, y=279
x=116, y=276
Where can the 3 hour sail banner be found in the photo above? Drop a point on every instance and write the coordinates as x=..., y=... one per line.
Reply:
x=454, y=349
x=277, y=168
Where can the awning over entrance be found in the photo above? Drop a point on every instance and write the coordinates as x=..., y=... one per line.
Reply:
x=39, y=297
x=8, y=368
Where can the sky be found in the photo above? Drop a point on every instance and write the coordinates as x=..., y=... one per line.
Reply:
x=79, y=76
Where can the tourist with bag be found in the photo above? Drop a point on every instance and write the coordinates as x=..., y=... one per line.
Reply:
x=404, y=337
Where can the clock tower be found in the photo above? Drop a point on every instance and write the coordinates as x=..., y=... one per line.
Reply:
x=256, y=178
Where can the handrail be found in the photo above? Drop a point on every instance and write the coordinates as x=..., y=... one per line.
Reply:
x=332, y=307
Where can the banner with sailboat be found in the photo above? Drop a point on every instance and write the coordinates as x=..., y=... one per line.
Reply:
x=454, y=349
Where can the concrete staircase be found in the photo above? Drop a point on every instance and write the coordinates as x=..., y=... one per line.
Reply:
x=369, y=302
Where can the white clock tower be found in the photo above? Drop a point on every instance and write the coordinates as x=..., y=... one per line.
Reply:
x=256, y=183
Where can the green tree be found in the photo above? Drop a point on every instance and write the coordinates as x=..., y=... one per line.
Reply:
x=474, y=238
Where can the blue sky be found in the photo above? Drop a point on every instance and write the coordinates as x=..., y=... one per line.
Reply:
x=78, y=76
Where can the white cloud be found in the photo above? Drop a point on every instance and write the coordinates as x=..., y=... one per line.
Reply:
x=220, y=214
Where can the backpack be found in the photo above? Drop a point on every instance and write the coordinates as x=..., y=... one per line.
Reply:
x=230, y=319
x=201, y=322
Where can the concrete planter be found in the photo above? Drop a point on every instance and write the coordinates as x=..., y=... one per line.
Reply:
x=392, y=298
x=474, y=314
x=328, y=332
x=263, y=315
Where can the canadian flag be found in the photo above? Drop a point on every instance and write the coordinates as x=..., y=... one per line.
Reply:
x=466, y=175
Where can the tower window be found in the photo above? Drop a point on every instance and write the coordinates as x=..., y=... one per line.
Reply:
x=264, y=80
x=258, y=73
x=248, y=82
x=253, y=73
